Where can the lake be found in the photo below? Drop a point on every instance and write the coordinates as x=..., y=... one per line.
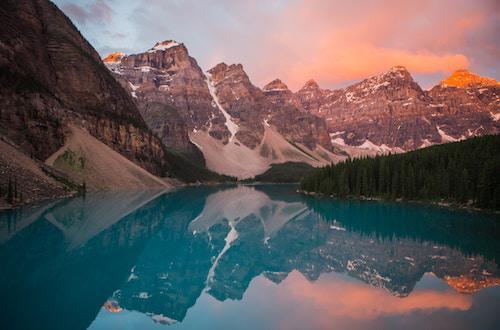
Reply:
x=246, y=257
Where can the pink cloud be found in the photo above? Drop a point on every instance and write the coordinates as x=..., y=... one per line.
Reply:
x=332, y=41
x=333, y=65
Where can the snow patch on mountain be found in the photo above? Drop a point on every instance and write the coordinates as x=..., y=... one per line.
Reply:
x=275, y=90
x=134, y=88
x=495, y=116
x=162, y=46
x=378, y=148
x=445, y=137
x=425, y=143
x=339, y=141
x=231, y=126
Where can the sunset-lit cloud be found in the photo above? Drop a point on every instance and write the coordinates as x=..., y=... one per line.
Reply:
x=334, y=42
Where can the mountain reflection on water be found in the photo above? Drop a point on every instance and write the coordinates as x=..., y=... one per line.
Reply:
x=245, y=256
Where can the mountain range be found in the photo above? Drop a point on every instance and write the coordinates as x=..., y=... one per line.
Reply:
x=242, y=129
x=70, y=120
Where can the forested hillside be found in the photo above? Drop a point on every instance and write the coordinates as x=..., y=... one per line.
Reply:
x=466, y=172
x=289, y=172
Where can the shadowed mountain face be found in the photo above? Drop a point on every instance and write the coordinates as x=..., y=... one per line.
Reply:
x=63, y=116
x=160, y=256
x=52, y=76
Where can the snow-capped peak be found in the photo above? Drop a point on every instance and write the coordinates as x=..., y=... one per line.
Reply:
x=164, y=45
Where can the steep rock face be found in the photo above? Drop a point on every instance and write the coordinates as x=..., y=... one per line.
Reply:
x=468, y=105
x=387, y=109
x=244, y=102
x=311, y=96
x=52, y=76
x=167, y=74
x=390, y=112
x=277, y=92
x=171, y=92
x=275, y=105
x=300, y=127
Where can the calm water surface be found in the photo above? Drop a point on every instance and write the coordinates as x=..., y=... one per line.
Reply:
x=246, y=257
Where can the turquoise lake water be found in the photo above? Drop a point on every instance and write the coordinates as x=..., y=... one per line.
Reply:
x=246, y=257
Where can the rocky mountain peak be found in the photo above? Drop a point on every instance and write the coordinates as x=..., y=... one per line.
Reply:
x=218, y=69
x=164, y=45
x=222, y=67
x=276, y=86
x=463, y=78
x=311, y=84
x=399, y=68
x=392, y=81
x=397, y=72
x=114, y=57
x=233, y=72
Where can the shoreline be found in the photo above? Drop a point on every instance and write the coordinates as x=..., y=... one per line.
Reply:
x=442, y=204
x=173, y=185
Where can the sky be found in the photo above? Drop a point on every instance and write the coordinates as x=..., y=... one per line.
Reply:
x=334, y=42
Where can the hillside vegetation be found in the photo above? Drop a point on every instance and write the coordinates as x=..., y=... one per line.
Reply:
x=289, y=172
x=466, y=172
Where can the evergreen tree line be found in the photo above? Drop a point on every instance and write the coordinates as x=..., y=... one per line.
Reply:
x=466, y=172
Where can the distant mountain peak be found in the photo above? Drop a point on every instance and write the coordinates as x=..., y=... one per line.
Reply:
x=222, y=66
x=275, y=86
x=164, y=45
x=113, y=57
x=311, y=84
x=398, y=68
x=398, y=72
x=464, y=78
x=225, y=69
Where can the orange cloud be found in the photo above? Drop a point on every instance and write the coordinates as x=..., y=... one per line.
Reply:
x=333, y=65
x=335, y=42
x=332, y=41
